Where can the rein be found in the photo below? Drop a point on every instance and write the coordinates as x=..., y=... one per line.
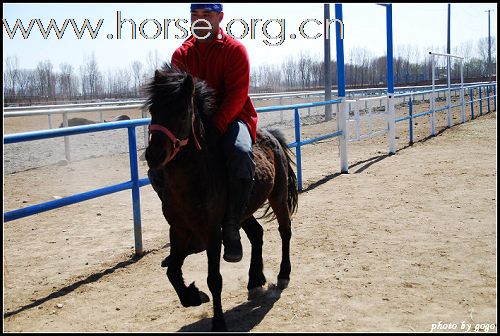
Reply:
x=176, y=142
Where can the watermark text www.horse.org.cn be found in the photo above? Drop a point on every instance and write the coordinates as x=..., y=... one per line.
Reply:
x=463, y=327
x=273, y=30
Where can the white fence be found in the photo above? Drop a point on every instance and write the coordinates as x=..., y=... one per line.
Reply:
x=352, y=106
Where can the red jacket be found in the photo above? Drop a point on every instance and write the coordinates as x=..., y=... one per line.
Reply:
x=223, y=64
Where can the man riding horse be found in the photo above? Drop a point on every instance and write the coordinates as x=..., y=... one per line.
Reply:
x=222, y=62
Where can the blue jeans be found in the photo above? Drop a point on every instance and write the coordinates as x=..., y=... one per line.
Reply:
x=237, y=146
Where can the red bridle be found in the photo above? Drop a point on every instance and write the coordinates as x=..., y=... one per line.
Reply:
x=177, y=144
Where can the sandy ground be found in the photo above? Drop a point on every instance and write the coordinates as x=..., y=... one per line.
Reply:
x=400, y=243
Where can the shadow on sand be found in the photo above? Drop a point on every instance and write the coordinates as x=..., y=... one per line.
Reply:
x=244, y=317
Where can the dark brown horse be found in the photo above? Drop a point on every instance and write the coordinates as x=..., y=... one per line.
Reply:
x=184, y=146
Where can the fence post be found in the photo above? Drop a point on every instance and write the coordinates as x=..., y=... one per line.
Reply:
x=136, y=198
x=390, y=81
x=411, y=119
x=358, y=120
x=309, y=108
x=495, y=97
x=433, y=128
x=480, y=101
x=66, y=139
x=297, y=149
x=391, y=117
x=281, y=112
x=145, y=130
x=343, y=138
x=370, y=119
x=471, y=94
x=488, y=99
x=50, y=120
x=341, y=116
x=448, y=94
x=462, y=92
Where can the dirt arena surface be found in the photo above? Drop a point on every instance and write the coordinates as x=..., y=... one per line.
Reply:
x=401, y=243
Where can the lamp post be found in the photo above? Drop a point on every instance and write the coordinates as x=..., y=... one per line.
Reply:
x=489, y=45
x=328, y=74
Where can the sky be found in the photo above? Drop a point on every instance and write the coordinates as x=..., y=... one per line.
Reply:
x=421, y=25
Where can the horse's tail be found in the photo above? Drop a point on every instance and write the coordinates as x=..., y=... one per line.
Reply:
x=293, y=191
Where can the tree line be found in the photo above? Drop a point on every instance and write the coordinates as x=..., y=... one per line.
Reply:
x=87, y=82
x=411, y=67
x=297, y=72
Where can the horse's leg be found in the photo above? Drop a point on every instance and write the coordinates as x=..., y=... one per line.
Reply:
x=214, y=281
x=255, y=234
x=280, y=209
x=189, y=296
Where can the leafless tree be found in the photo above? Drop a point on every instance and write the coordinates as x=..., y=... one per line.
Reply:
x=254, y=80
x=317, y=73
x=26, y=83
x=45, y=79
x=364, y=60
x=270, y=76
x=290, y=71
x=465, y=50
x=304, y=69
x=91, y=77
x=483, y=50
x=66, y=81
x=118, y=83
x=153, y=62
x=11, y=76
x=136, y=71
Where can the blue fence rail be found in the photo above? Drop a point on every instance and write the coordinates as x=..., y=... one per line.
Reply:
x=487, y=88
x=135, y=182
x=298, y=142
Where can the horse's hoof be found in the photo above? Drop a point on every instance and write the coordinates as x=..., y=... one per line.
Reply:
x=204, y=298
x=255, y=293
x=193, y=297
x=283, y=283
x=273, y=292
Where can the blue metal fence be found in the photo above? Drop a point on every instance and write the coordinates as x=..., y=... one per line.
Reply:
x=135, y=182
x=480, y=88
x=298, y=142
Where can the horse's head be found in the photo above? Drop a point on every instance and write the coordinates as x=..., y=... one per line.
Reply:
x=172, y=115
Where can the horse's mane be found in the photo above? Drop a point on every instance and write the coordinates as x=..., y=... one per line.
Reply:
x=166, y=85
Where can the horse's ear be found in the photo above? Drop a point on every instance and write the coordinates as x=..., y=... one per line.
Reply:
x=157, y=75
x=188, y=84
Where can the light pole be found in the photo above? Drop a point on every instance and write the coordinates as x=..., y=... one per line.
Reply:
x=328, y=74
x=448, y=44
x=489, y=45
